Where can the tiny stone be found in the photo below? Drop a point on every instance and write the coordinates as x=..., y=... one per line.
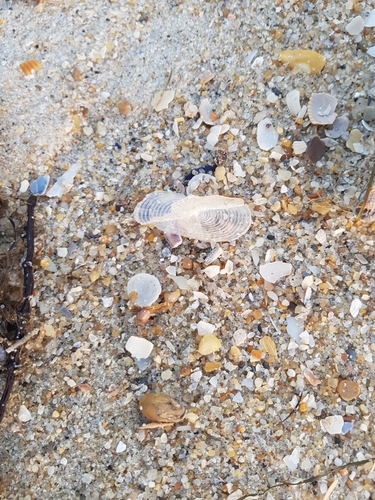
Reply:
x=273, y=271
x=220, y=173
x=348, y=390
x=94, y=275
x=172, y=296
x=209, y=344
x=315, y=149
x=211, y=366
x=124, y=107
x=187, y=263
x=369, y=114
x=101, y=129
x=120, y=447
x=321, y=236
x=139, y=347
x=23, y=414
x=283, y=174
x=205, y=328
x=355, y=307
x=355, y=27
x=355, y=137
x=166, y=374
x=212, y=271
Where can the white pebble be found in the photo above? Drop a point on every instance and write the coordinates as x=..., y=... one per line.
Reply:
x=23, y=414
x=120, y=447
x=355, y=307
x=371, y=51
x=283, y=174
x=274, y=271
x=101, y=129
x=107, y=301
x=205, y=328
x=321, y=236
x=237, y=170
x=24, y=186
x=139, y=347
x=212, y=271
x=62, y=251
x=355, y=27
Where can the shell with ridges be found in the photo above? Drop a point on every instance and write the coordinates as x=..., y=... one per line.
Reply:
x=321, y=109
x=161, y=408
x=205, y=218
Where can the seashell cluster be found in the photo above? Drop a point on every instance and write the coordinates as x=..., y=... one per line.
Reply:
x=321, y=109
x=205, y=218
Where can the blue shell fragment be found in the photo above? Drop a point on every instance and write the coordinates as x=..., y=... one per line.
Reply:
x=40, y=185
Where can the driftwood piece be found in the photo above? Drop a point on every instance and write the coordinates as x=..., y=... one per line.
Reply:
x=23, y=311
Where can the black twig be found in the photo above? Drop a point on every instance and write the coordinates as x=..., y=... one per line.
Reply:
x=24, y=310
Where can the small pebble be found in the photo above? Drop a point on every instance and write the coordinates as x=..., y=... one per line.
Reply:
x=23, y=414
x=172, y=296
x=187, y=263
x=273, y=271
x=348, y=390
x=120, y=447
x=139, y=347
x=209, y=344
x=124, y=107
x=356, y=26
x=101, y=129
x=355, y=137
x=315, y=149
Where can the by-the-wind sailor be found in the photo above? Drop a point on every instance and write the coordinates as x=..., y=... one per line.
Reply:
x=205, y=218
x=40, y=185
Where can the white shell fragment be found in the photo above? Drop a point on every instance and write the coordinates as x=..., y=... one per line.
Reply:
x=339, y=126
x=205, y=110
x=145, y=289
x=321, y=109
x=333, y=424
x=299, y=147
x=267, y=136
x=205, y=328
x=355, y=306
x=65, y=182
x=162, y=100
x=40, y=185
x=356, y=26
x=292, y=461
x=292, y=101
x=190, y=109
x=205, y=218
x=371, y=51
x=273, y=271
x=370, y=21
x=23, y=414
x=200, y=179
x=139, y=347
x=120, y=447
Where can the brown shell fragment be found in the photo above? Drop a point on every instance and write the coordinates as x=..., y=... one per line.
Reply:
x=268, y=346
x=161, y=408
x=31, y=66
x=306, y=60
x=315, y=149
x=348, y=390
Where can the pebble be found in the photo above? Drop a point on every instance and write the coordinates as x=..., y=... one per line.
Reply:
x=101, y=129
x=23, y=414
x=355, y=137
x=292, y=461
x=321, y=236
x=161, y=407
x=209, y=344
x=172, y=296
x=306, y=60
x=348, y=390
x=205, y=328
x=273, y=271
x=187, y=263
x=369, y=114
x=283, y=174
x=220, y=173
x=299, y=147
x=124, y=107
x=190, y=109
x=212, y=271
x=120, y=447
x=356, y=26
x=315, y=149
x=139, y=347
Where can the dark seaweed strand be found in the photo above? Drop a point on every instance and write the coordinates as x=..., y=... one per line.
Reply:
x=369, y=187
x=24, y=310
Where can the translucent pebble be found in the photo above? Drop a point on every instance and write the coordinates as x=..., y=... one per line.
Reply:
x=273, y=271
x=205, y=218
x=40, y=185
x=356, y=26
x=23, y=414
x=293, y=103
x=267, y=136
x=354, y=138
x=139, y=347
x=294, y=328
x=370, y=21
x=205, y=328
x=120, y=447
x=348, y=390
x=209, y=344
x=24, y=186
x=292, y=461
x=306, y=60
x=143, y=289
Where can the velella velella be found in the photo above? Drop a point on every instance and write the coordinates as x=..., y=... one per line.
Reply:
x=206, y=218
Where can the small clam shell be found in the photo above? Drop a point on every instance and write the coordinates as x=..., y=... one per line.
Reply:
x=333, y=424
x=339, y=126
x=267, y=136
x=321, y=109
x=29, y=67
x=205, y=110
x=205, y=218
x=161, y=408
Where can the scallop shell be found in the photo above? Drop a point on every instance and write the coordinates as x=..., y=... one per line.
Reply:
x=321, y=109
x=205, y=218
x=29, y=67
x=292, y=101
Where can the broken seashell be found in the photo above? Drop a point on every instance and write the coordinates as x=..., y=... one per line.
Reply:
x=292, y=101
x=267, y=136
x=205, y=110
x=273, y=271
x=65, y=182
x=306, y=60
x=356, y=26
x=190, y=109
x=162, y=100
x=29, y=67
x=339, y=126
x=321, y=109
x=205, y=218
x=161, y=408
x=207, y=180
x=143, y=289
x=333, y=424
x=370, y=21
x=139, y=347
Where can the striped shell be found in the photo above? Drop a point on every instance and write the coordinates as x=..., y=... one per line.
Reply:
x=31, y=66
x=205, y=218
